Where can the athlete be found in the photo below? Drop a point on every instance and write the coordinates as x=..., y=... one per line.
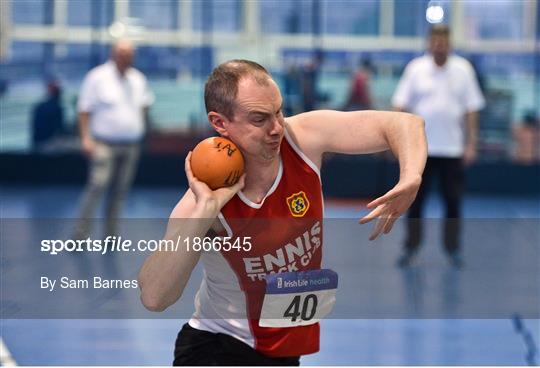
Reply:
x=274, y=213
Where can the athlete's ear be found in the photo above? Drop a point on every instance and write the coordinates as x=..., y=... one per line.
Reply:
x=219, y=123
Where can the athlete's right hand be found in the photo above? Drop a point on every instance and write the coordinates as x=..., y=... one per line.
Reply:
x=206, y=196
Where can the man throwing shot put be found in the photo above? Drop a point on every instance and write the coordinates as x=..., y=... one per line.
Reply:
x=275, y=212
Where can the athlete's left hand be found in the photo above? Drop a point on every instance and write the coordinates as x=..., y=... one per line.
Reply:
x=389, y=207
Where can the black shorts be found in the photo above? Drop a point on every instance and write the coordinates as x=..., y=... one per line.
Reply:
x=196, y=347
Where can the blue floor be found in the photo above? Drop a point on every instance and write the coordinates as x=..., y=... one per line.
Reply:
x=350, y=338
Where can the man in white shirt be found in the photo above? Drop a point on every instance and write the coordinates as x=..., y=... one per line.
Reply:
x=113, y=105
x=442, y=88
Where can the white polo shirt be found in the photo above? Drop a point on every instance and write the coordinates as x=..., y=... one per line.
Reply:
x=115, y=103
x=442, y=96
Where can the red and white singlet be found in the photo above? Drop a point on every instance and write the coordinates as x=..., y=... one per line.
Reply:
x=285, y=231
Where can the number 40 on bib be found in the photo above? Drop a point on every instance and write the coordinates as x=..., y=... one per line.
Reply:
x=298, y=298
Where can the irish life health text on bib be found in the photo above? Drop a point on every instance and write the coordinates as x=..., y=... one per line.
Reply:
x=298, y=298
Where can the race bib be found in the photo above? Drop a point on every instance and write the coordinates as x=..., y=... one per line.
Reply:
x=298, y=298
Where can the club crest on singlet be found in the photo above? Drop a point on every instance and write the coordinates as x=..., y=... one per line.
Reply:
x=298, y=204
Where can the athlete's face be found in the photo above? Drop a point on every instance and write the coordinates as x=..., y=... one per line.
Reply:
x=257, y=126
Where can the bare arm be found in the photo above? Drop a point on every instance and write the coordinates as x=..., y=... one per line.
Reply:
x=360, y=132
x=471, y=126
x=365, y=132
x=164, y=274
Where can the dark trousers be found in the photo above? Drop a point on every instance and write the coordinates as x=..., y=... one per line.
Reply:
x=195, y=347
x=451, y=176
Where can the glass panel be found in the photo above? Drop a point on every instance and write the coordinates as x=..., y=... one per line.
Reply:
x=410, y=17
x=286, y=16
x=79, y=13
x=493, y=19
x=27, y=51
x=350, y=17
x=217, y=15
x=28, y=11
x=87, y=13
x=155, y=14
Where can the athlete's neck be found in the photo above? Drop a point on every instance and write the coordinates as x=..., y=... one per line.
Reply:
x=260, y=178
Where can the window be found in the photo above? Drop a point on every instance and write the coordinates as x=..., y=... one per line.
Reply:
x=31, y=11
x=78, y=51
x=217, y=15
x=537, y=22
x=99, y=13
x=410, y=18
x=350, y=17
x=22, y=51
x=79, y=13
x=155, y=14
x=286, y=16
x=501, y=19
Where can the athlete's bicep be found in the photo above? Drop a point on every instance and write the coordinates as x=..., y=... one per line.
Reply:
x=353, y=132
x=304, y=139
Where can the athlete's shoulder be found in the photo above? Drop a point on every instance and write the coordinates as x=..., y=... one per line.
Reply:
x=307, y=123
x=303, y=133
x=292, y=127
